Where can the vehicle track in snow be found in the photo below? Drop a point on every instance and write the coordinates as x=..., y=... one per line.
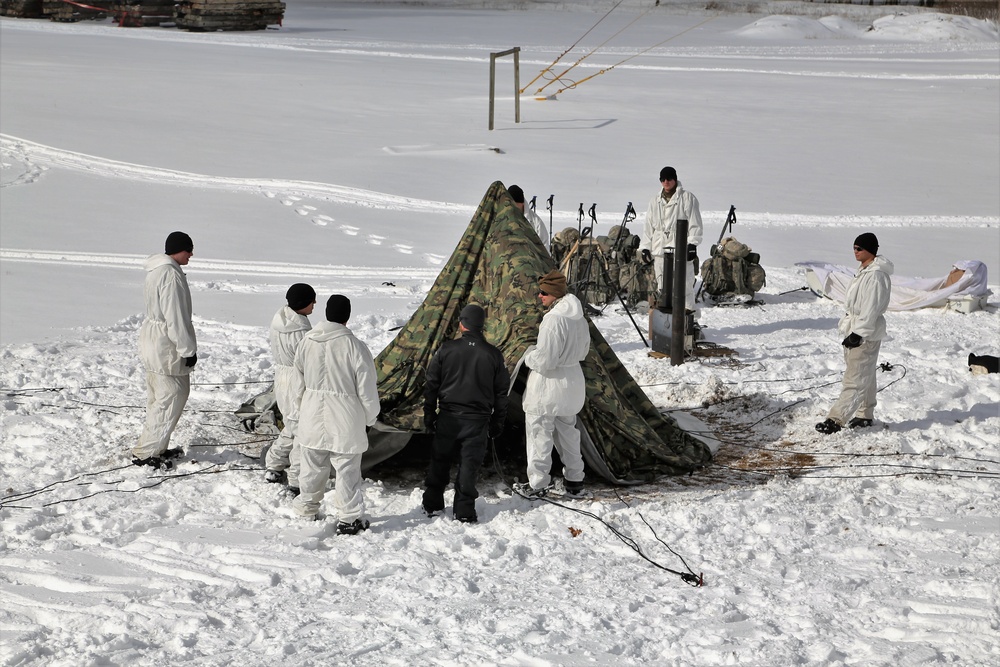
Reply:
x=226, y=267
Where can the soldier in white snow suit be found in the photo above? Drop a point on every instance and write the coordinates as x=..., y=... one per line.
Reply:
x=671, y=204
x=288, y=327
x=863, y=328
x=556, y=390
x=517, y=194
x=338, y=400
x=167, y=348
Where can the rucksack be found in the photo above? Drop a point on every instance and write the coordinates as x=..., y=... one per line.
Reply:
x=260, y=414
x=732, y=271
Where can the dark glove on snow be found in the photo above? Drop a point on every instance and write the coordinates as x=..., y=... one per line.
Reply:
x=647, y=257
x=852, y=341
x=430, y=422
x=496, y=430
x=191, y=361
x=692, y=252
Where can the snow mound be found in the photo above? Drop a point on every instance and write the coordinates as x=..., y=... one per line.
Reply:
x=923, y=27
x=789, y=27
x=933, y=27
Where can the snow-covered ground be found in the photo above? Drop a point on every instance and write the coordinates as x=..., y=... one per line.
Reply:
x=348, y=149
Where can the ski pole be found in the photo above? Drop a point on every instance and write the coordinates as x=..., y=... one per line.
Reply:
x=730, y=221
x=549, y=207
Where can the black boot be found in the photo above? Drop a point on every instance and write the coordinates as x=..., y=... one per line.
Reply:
x=829, y=426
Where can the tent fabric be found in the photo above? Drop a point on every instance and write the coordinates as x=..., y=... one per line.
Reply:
x=832, y=281
x=496, y=265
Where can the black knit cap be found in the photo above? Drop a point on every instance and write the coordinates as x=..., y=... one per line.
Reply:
x=338, y=309
x=300, y=295
x=868, y=241
x=473, y=317
x=178, y=242
x=516, y=193
x=668, y=173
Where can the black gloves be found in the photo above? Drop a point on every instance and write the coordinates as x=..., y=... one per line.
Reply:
x=852, y=341
x=430, y=422
x=647, y=257
x=191, y=361
x=496, y=430
x=692, y=252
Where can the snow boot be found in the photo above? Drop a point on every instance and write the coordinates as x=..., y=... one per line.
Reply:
x=275, y=477
x=353, y=528
x=154, y=462
x=525, y=490
x=859, y=422
x=829, y=426
x=172, y=453
x=574, y=489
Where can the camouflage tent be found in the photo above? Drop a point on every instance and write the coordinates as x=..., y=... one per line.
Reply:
x=496, y=265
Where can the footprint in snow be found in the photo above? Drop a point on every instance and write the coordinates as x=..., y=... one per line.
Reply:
x=436, y=260
x=405, y=249
x=375, y=239
x=290, y=200
x=305, y=210
x=322, y=220
x=349, y=230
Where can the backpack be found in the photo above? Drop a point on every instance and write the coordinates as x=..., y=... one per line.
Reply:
x=732, y=271
x=260, y=414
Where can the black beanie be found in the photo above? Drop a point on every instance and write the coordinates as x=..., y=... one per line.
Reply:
x=473, y=317
x=178, y=242
x=668, y=173
x=338, y=309
x=516, y=193
x=868, y=241
x=299, y=296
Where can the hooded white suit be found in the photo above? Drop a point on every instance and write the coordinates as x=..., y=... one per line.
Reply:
x=866, y=303
x=166, y=339
x=556, y=392
x=660, y=229
x=288, y=328
x=338, y=399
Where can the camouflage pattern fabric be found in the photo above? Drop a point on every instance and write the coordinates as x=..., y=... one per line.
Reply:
x=496, y=265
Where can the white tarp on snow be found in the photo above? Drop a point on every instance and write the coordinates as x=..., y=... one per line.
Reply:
x=832, y=281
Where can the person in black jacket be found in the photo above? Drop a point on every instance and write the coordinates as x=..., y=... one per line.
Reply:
x=465, y=400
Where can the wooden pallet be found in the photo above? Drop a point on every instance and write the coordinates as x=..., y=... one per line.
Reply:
x=22, y=9
x=205, y=15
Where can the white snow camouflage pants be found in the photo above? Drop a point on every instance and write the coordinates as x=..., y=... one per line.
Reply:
x=688, y=288
x=284, y=453
x=542, y=432
x=316, y=465
x=166, y=396
x=858, y=395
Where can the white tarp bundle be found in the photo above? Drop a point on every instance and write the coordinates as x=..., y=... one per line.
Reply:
x=967, y=278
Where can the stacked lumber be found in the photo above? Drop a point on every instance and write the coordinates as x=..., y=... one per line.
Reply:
x=139, y=13
x=75, y=10
x=22, y=9
x=208, y=15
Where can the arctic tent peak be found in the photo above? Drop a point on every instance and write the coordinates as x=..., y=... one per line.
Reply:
x=496, y=265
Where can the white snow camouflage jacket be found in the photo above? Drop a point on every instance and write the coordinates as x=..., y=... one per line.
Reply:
x=556, y=386
x=166, y=336
x=288, y=328
x=661, y=221
x=537, y=224
x=867, y=300
x=339, y=396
